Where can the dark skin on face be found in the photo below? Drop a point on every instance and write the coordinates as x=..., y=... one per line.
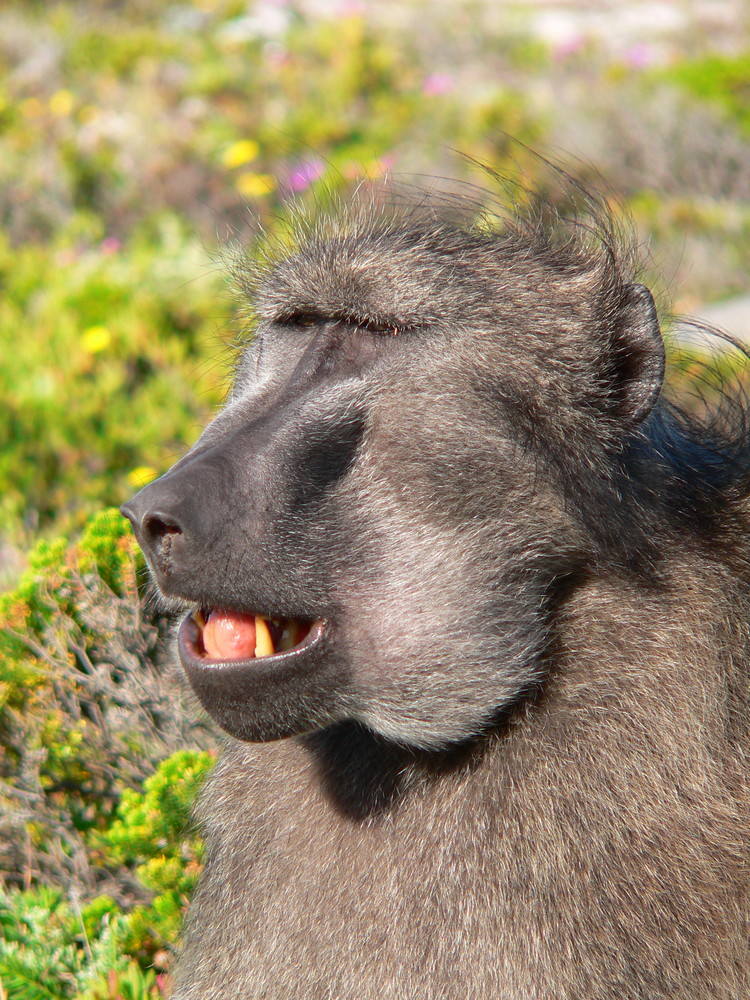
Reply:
x=442, y=533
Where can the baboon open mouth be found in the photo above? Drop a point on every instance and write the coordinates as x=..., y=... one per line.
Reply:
x=255, y=689
x=218, y=636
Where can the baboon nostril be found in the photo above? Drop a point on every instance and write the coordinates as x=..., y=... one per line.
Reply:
x=159, y=529
x=166, y=526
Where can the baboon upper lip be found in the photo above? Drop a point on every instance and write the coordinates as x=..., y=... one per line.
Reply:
x=193, y=658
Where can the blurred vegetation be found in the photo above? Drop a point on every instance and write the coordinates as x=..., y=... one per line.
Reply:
x=96, y=853
x=109, y=364
x=721, y=79
x=135, y=139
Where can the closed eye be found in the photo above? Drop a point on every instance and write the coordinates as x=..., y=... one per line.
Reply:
x=309, y=318
x=302, y=318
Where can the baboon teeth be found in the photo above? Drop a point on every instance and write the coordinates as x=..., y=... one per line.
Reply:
x=237, y=635
x=263, y=640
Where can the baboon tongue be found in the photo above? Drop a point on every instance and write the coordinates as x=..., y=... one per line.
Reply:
x=229, y=635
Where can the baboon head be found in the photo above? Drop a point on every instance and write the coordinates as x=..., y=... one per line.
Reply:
x=423, y=447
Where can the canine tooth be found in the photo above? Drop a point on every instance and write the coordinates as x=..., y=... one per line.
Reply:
x=288, y=637
x=263, y=641
x=199, y=618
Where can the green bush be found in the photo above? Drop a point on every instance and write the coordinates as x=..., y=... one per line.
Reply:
x=52, y=952
x=109, y=364
x=89, y=704
x=150, y=834
x=57, y=947
x=723, y=80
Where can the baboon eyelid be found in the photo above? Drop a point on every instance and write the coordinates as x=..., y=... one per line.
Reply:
x=310, y=319
x=300, y=319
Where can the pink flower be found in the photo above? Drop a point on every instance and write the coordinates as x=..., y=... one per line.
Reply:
x=110, y=244
x=436, y=84
x=639, y=55
x=569, y=47
x=303, y=175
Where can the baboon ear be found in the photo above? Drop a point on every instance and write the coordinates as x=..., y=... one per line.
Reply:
x=638, y=356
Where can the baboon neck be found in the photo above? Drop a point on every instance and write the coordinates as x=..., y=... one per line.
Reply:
x=366, y=775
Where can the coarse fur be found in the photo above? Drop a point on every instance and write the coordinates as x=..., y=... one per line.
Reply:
x=516, y=768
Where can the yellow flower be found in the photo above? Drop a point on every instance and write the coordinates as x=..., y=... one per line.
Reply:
x=372, y=170
x=369, y=171
x=239, y=153
x=32, y=107
x=141, y=475
x=88, y=113
x=255, y=185
x=96, y=339
x=61, y=103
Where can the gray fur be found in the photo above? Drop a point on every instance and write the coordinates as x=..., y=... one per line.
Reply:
x=530, y=782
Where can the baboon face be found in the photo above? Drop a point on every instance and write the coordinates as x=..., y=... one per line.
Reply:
x=376, y=525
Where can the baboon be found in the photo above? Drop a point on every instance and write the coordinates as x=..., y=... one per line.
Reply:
x=470, y=596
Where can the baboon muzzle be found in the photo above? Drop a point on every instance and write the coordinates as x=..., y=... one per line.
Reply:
x=288, y=678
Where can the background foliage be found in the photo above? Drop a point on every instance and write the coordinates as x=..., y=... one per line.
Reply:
x=135, y=139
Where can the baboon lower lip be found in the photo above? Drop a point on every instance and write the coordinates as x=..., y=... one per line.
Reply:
x=262, y=698
x=275, y=641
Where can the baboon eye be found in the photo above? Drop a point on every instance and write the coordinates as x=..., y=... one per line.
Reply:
x=301, y=318
x=310, y=318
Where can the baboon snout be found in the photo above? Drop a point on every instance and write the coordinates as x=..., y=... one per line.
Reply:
x=162, y=525
x=172, y=523
x=156, y=525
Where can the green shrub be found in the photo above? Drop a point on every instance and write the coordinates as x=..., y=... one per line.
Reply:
x=109, y=364
x=151, y=832
x=57, y=947
x=89, y=705
x=722, y=79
